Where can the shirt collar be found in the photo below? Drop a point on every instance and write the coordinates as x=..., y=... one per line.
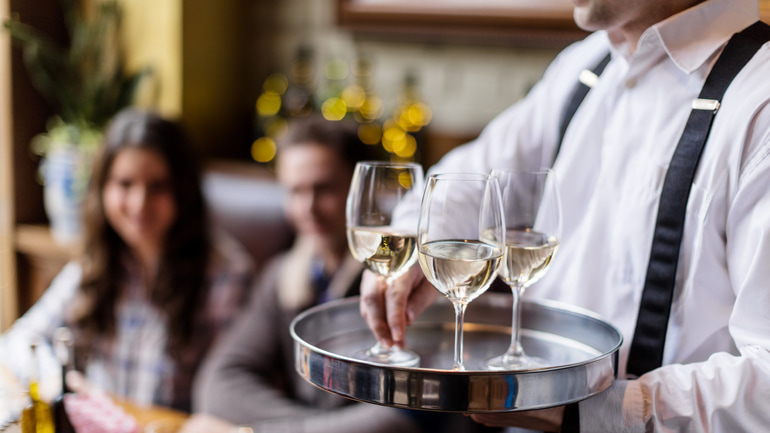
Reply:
x=690, y=38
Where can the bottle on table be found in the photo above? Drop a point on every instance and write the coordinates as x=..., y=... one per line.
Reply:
x=36, y=417
x=63, y=349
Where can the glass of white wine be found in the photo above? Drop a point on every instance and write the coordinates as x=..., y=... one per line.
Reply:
x=381, y=240
x=460, y=240
x=533, y=227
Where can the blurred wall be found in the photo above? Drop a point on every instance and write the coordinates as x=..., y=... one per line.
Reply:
x=211, y=58
x=198, y=50
x=466, y=85
x=153, y=33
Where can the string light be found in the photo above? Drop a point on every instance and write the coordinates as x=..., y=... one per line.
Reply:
x=405, y=179
x=268, y=104
x=348, y=91
x=263, y=149
x=370, y=133
x=334, y=109
x=354, y=97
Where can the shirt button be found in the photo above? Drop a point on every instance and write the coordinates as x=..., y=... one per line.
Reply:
x=630, y=83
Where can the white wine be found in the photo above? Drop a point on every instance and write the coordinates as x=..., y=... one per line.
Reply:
x=528, y=254
x=386, y=253
x=460, y=270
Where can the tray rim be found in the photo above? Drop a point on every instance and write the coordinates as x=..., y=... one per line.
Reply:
x=601, y=369
x=547, y=303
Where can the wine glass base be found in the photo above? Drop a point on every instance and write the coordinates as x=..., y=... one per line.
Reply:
x=392, y=356
x=512, y=362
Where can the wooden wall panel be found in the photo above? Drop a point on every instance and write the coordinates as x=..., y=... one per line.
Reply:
x=8, y=299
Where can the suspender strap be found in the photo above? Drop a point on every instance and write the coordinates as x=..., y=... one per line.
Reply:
x=652, y=322
x=586, y=81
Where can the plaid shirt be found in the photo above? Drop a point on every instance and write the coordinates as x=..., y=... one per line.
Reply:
x=134, y=364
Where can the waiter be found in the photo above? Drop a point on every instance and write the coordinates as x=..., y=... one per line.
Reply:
x=658, y=130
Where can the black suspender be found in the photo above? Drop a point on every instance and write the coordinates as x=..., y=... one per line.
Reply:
x=654, y=310
x=652, y=322
x=586, y=81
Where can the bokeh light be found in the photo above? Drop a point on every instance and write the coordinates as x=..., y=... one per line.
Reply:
x=263, y=149
x=371, y=109
x=334, y=109
x=370, y=133
x=268, y=104
x=414, y=116
x=405, y=148
x=276, y=83
x=354, y=97
x=405, y=179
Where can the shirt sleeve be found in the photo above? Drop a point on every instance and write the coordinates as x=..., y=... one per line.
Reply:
x=38, y=324
x=726, y=393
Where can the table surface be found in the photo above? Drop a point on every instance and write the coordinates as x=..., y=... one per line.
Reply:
x=145, y=417
x=147, y=414
x=144, y=414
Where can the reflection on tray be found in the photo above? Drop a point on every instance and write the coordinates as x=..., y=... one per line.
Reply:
x=581, y=350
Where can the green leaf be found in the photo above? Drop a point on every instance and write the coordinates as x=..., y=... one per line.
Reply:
x=85, y=83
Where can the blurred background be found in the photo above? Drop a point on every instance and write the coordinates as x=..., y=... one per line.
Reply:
x=420, y=78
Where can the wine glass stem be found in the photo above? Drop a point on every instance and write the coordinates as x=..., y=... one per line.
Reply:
x=515, y=349
x=459, y=320
x=378, y=349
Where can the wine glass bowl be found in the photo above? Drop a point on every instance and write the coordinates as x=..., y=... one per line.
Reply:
x=460, y=238
x=381, y=237
x=384, y=251
x=533, y=227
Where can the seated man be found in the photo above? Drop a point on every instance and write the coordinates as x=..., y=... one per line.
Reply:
x=250, y=378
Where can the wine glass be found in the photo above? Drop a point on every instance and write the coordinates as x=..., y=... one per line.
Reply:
x=386, y=245
x=533, y=228
x=460, y=240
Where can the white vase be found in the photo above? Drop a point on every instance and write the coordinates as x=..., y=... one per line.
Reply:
x=65, y=172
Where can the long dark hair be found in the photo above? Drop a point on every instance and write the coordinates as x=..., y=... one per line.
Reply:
x=179, y=289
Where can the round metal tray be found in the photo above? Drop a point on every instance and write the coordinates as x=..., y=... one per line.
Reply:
x=581, y=350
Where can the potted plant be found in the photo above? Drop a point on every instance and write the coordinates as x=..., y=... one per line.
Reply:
x=85, y=84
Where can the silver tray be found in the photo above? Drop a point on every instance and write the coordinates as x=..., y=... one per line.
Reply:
x=581, y=349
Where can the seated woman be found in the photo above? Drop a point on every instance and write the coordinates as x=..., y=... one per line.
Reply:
x=154, y=286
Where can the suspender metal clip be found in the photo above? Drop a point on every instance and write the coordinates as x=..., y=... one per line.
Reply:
x=588, y=77
x=706, y=104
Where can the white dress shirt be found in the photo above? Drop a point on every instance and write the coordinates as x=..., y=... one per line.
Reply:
x=716, y=373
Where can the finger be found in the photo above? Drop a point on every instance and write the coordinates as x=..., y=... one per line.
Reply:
x=396, y=300
x=372, y=306
x=420, y=298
